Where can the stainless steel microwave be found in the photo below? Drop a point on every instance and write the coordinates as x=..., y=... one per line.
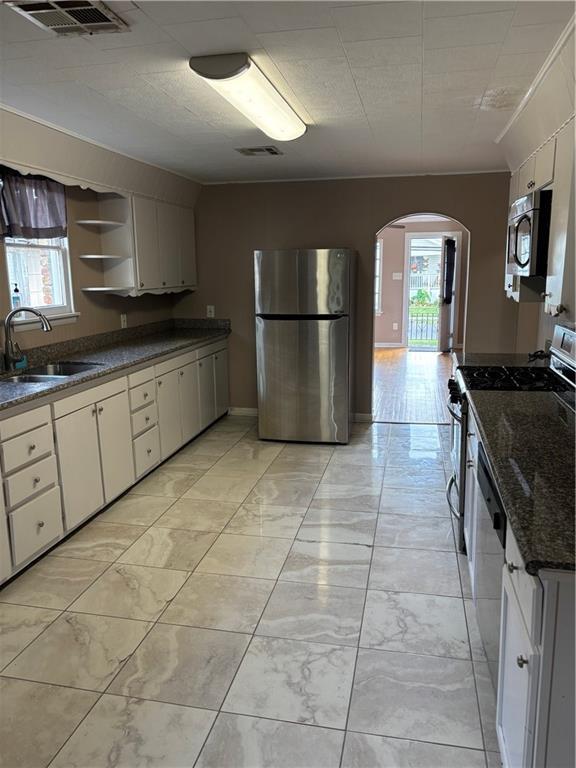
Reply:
x=528, y=235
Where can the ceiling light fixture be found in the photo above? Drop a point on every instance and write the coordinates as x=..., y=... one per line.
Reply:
x=237, y=79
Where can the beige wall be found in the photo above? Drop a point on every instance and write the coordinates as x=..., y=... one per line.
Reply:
x=98, y=314
x=392, y=291
x=234, y=219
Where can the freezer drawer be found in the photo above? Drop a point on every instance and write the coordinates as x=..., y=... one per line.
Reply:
x=303, y=379
x=303, y=281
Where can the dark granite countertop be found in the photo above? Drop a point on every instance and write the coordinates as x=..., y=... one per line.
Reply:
x=529, y=441
x=111, y=359
x=496, y=358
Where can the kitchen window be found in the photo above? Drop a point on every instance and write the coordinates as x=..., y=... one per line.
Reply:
x=40, y=268
x=34, y=230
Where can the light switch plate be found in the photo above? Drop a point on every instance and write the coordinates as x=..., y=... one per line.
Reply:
x=210, y=310
x=394, y=326
x=396, y=275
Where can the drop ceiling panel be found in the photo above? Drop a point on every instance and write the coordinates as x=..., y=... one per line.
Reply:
x=379, y=20
x=384, y=53
x=473, y=29
x=302, y=44
x=395, y=87
x=461, y=58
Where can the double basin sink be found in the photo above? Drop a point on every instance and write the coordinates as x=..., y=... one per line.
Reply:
x=50, y=372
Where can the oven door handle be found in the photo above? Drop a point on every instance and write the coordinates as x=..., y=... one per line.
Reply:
x=453, y=413
x=451, y=484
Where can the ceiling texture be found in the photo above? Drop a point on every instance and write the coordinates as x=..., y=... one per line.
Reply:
x=385, y=88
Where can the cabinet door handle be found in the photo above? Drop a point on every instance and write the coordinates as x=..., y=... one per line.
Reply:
x=181, y=373
x=93, y=411
x=511, y=567
x=141, y=285
x=37, y=480
x=200, y=365
x=147, y=419
x=32, y=447
x=469, y=463
x=40, y=523
x=149, y=451
x=521, y=661
x=145, y=395
x=100, y=409
x=160, y=382
x=163, y=282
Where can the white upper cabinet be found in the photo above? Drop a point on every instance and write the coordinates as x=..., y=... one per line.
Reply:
x=164, y=246
x=188, y=276
x=544, y=164
x=169, y=244
x=146, y=243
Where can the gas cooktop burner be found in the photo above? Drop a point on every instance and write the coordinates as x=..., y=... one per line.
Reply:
x=510, y=378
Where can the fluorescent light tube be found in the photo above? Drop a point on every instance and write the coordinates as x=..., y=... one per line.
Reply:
x=238, y=80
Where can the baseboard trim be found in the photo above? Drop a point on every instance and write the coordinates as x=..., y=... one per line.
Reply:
x=387, y=345
x=362, y=417
x=243, y=411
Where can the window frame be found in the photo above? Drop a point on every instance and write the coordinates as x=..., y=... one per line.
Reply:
x=52, y=312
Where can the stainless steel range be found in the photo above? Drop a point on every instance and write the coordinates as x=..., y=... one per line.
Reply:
x=558, y=377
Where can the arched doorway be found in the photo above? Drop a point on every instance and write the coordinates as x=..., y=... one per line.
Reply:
x=420, y=279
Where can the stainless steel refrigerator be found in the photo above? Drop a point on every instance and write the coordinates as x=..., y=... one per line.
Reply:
x=303, y=343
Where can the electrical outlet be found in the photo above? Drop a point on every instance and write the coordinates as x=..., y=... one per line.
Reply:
x=210, y=310
x=394, y=326
x=123, y=320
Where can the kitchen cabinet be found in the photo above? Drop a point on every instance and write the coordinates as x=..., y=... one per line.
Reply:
x=526, y=183
x=5, y=558
x=169, y=243
x=513, y=194
x=206, y=394
x=169, y=412
x=189, y=398
x=146, y=242
x=221, y=382
x=94, y=441
x=79, y=461
x=544, y=164
x=559, y=292
x=115, y=437
x=517, y=684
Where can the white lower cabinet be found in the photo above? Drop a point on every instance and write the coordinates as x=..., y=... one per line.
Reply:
x=206, y=396
x=35, y=525
x=115, y=435
x=221, y=389
x=189, y=394
x=169, y=412
x=517, y=684
x=79, y=460
x=5, y=558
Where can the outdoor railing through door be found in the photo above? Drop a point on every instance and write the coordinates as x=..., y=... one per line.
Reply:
x=422, y=328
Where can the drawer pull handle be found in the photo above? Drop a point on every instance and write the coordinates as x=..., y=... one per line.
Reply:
x=101, y=409
x=511, y=567
x=32, y=447
x=37, y=480
x=521, y=661
x=160, y=383
x=145, y=395
x=40, y=523
x=148, y=451
x=147, y=419
x=469, y=463
x=181, y=373
x=471, y=434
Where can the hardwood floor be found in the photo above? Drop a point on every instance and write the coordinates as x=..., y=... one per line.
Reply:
x=410, y=386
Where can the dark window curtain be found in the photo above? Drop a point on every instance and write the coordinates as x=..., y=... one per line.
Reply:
x=31, y=206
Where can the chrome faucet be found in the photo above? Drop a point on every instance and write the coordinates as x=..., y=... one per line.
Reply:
x=12, y=352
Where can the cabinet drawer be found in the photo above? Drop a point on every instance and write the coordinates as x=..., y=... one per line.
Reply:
x=527, y=588
x=24, y=422
x=175, y=362
x=144, y=419
x=142, y=395
x=146, y=451
x=29, y=447
x=88, y=396
x=31, y=480
x=35, y=525
x=140, y=377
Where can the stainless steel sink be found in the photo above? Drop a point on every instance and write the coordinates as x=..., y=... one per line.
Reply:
x=26, y=378
x=65, y=368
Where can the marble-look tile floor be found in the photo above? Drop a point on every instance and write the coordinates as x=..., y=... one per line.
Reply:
x=255, y=605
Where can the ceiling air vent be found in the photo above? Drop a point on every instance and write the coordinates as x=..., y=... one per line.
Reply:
x=259, y=151
x=70, y=17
